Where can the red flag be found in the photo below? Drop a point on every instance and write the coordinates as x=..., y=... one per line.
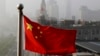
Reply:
x=48, y=40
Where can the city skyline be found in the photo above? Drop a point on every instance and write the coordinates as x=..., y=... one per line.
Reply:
x=33, y=6
x=52, y=9
x=88, y=32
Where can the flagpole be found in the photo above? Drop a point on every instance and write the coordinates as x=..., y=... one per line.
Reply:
x=19, y=43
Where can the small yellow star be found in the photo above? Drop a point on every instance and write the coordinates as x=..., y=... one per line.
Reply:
x=41, y=32
x=36, y=37
x=29, y=26
x=38, y=27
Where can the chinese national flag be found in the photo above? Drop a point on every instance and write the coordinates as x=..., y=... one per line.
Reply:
x=48, y=40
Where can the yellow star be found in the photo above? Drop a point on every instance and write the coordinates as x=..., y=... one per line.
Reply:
x=41, y=32
x=29, y=26
x=36, y=37
x=38, y=27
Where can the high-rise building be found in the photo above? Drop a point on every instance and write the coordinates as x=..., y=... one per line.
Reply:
x=89, y=15
x=43, y=10
x=68, y=10
x=43, y=18
x=52, y=9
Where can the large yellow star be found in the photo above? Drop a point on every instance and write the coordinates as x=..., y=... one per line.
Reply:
x=29, y=26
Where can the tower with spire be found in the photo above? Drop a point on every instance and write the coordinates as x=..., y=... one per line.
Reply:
x=43, y=14
x=43, y=10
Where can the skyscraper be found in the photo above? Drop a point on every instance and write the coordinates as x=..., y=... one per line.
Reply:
x=89, y=15
x=68, y=9
x=43, y=11
x=43, y=14
x=52, y=9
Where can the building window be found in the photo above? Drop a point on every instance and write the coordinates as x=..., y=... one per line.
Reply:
x=93, y=32
x=97, y=31
x=85, y=32
x=79, y=33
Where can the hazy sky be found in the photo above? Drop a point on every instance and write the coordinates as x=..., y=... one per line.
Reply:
x=32, y=6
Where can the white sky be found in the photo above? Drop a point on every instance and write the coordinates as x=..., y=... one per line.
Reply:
x=31, y=6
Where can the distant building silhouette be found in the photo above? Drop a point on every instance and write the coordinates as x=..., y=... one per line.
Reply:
x=43, y=14
x=88, y=32
x=68, y=10
x=43, y=10
x=90, y=15
x=52, y=9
